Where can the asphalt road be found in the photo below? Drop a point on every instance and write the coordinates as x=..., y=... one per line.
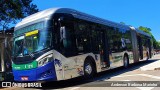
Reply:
x=131, y=74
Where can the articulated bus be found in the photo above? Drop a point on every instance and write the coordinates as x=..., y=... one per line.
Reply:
x=61, y=43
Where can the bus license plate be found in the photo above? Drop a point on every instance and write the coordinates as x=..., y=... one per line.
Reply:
x=24, y=78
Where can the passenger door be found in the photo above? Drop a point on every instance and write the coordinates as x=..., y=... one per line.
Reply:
x=103, y=49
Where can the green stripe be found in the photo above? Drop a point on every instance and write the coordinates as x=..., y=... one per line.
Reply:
x=32, y=65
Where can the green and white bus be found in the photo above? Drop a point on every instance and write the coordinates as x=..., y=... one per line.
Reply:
x=61, y=43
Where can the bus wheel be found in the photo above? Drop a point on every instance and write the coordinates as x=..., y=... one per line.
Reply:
x=125, y=61
x=88, y=69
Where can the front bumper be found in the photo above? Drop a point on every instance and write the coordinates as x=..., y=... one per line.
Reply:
x=43, y=73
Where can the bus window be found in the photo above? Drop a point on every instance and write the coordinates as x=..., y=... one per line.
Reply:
x=82, y=37
x=66, y=33
x=140, y=47
x=115, y=40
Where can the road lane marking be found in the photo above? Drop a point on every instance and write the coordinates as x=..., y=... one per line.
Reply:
x=151, y=76
x=125, y=80
x=74, y=88
x=145, y=88
x=146, y=75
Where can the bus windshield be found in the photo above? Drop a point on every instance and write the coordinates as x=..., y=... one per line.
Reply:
x=18, y=45
x=31, y=42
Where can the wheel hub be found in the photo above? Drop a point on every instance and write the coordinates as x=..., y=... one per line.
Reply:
x=88, y=69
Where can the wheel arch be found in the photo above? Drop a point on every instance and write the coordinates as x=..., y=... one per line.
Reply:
x=126, y=54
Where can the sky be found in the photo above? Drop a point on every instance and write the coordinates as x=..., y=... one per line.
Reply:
x=132, y=12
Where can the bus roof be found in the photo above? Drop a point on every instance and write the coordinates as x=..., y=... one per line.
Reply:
x=49, y=12
x=142, y=32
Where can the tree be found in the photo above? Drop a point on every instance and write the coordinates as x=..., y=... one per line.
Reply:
x=148, y=30
x=145, y=29
x=122, y=23
x=13, y=10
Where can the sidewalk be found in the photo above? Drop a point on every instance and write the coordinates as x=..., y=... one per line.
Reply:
x=152, y=66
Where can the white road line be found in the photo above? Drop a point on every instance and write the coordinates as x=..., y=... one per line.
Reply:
x=125, y=80
x=125, y=76
x=74, y=88
x=146, y=75
x=151, y=76
x=145, y=88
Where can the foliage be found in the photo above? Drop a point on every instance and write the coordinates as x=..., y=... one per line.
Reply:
x=148, y=30
x=13, y=10
x=122, y=23
x=145, y=29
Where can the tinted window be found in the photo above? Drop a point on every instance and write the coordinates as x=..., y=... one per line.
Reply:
x=82, y=35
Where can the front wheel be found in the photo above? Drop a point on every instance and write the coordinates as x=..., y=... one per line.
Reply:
x=89, y=69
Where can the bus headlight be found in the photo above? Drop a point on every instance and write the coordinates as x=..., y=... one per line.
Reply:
x=45, y=60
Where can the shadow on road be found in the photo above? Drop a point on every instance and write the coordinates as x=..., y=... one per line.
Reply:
x=100, y=76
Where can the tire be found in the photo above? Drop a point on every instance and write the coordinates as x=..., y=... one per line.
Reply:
x=89, y=69
x=125, y=61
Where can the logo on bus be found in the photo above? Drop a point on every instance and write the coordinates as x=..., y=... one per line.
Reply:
x=58, y=62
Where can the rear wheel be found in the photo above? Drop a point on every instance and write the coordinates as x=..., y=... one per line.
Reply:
x=89, y=69
x=125, y=61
